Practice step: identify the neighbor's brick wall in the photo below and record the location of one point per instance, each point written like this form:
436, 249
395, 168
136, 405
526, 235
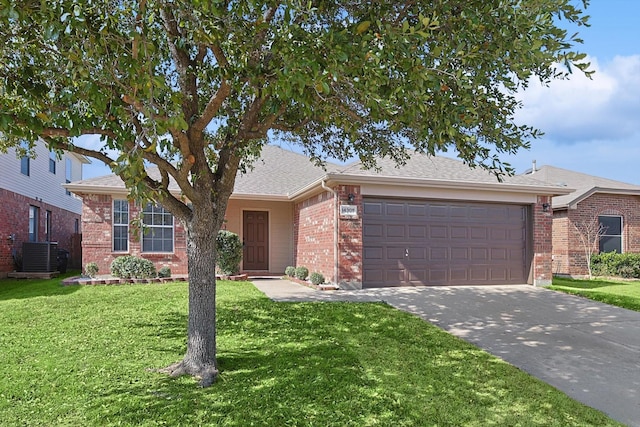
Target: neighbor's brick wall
560, 242
97, 240
313, 232
542, 267
570, 254
14, 219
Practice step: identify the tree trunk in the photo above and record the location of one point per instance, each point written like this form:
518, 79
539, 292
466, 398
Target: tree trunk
200, 358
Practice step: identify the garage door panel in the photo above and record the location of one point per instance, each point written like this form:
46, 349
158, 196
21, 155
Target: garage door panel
458, 232
438, 254
479, 233
372, 230
417, 231
395, 209
395, 253
438, 231
423, 242
373, 253
396, 231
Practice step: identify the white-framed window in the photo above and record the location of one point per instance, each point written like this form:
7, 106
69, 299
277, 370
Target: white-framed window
34, 218
120, 225
52, 162
157, 231
611, 239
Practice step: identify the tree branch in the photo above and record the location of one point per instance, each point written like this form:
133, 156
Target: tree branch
212, 107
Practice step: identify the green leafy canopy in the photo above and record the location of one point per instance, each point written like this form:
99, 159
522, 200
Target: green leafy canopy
194, 87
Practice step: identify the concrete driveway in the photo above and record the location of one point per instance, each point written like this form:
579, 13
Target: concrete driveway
590, 351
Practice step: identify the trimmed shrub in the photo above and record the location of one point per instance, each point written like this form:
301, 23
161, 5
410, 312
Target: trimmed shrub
316, 278
130, 267
164, 272
229, 248
290, 271
91, 269
302, 273
625, 265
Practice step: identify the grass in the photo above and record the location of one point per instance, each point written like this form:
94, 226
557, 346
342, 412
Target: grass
624, 294
72, 356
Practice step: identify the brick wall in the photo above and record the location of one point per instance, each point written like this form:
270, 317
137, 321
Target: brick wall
314, 233
97, 242
542, 267
350, 239
568, 251
14, 219
314, 236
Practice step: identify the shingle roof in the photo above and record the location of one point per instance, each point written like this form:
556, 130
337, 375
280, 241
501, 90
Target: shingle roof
584, 185
279, 172
439, 168
284, 173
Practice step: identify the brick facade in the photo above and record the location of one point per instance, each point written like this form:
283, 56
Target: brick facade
97, 241
541, 267
314, 243
14, 220
568, 252
313, 234
350, 239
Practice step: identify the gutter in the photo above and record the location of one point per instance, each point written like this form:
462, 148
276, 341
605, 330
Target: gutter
335, 230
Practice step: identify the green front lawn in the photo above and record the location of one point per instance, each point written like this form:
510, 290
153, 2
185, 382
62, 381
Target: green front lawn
79, 356
624, 294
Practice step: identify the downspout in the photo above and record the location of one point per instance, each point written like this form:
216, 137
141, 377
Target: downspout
335, 231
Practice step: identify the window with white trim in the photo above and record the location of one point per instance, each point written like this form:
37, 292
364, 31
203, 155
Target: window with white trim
157, 231
120, 225
611, 239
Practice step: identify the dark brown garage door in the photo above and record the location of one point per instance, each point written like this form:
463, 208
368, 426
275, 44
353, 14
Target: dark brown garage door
428, 242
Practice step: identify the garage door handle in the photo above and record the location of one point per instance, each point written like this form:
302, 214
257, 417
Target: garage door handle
406, 253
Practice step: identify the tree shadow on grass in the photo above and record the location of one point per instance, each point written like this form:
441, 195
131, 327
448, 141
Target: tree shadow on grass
31, 288
328, 364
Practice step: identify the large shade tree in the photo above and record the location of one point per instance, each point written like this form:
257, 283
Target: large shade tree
196, 87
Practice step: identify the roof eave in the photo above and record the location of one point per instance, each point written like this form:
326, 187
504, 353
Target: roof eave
441, 183
598, 190
262, 197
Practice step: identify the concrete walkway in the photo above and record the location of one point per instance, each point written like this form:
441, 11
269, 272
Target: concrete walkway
589, 350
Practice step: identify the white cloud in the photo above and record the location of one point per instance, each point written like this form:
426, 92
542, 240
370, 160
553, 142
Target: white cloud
604, 108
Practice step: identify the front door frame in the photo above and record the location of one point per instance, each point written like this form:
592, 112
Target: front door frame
267, 245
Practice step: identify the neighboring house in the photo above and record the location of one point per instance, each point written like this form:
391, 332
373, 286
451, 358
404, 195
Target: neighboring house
614, 204
433, 221
34, 206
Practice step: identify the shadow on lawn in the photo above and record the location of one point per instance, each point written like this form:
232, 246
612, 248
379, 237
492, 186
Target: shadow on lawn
31, 288
318, 364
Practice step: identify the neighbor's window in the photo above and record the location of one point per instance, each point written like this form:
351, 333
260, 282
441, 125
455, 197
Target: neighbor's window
25, 168
67, 173
120, 226
157, 233
34, 217
611, 239
52, 162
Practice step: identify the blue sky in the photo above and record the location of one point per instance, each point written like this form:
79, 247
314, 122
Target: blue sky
591, 126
